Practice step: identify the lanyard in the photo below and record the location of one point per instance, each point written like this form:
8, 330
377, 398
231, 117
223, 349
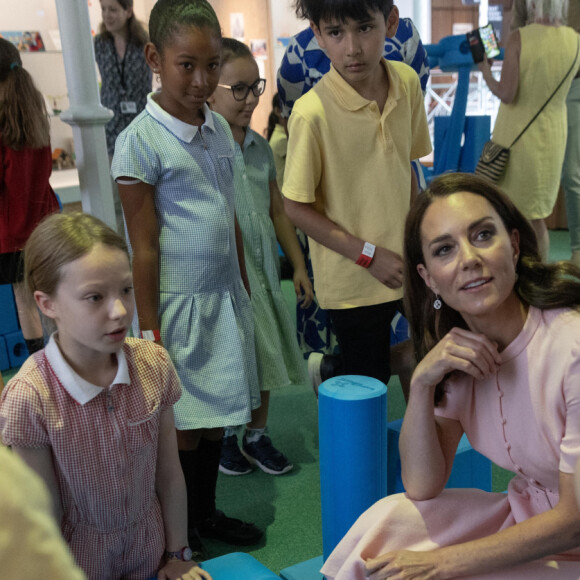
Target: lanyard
121, 65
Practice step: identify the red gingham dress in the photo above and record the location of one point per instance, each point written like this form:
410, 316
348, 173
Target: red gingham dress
104, 443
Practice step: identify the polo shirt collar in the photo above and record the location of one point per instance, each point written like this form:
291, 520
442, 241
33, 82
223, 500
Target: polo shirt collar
183, 131
80, 390
249, 139
352, 100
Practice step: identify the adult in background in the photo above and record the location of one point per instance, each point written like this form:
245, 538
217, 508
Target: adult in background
125, 76
497, 335
571, 171
537, 57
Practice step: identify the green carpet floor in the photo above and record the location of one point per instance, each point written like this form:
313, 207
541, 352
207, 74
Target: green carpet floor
288, 507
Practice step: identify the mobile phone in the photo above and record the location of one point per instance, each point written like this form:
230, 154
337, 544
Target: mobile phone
483, 41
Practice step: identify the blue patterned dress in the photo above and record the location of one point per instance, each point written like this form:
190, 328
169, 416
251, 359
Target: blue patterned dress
205, 312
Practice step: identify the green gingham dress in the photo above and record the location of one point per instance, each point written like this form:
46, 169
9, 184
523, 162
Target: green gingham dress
279, 358
205, 312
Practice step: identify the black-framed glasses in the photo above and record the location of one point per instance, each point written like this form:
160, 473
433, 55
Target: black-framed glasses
242, 91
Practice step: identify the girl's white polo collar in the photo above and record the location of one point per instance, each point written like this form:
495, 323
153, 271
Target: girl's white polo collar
183, 131
80, 390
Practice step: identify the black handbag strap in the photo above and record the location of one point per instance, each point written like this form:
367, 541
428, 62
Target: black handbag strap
550, 98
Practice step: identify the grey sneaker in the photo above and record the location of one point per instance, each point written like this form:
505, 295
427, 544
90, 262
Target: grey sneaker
263, 454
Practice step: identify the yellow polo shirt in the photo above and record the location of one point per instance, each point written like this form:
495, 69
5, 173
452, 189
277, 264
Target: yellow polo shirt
353, 164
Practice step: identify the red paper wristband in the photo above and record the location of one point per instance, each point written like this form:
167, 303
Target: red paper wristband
366, 256
153, 335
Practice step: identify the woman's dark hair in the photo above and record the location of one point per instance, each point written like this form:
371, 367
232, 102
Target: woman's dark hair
137, 32
340, 10
538, 284
23, 117
169, 16
273, 117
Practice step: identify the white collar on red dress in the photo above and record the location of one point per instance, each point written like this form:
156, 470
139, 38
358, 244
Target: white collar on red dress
80, 390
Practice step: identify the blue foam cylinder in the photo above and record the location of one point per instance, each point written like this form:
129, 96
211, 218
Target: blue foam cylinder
352, 426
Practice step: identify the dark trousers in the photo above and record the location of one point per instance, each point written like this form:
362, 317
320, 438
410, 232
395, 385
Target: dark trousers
364, 338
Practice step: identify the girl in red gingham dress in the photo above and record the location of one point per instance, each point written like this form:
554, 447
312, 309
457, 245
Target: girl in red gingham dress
92, 412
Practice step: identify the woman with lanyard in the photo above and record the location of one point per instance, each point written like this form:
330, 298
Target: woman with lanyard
125, 76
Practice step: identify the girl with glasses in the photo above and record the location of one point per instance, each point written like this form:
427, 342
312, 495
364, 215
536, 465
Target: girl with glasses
260, 211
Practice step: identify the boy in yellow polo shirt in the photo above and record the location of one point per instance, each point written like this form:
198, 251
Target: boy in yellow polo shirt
348, 180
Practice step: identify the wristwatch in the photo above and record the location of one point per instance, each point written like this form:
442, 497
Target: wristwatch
185, 554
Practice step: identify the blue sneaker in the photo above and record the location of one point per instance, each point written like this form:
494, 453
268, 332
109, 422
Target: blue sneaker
232, 462
263, 454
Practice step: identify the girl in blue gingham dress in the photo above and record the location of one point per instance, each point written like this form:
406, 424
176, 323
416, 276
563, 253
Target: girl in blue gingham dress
174, 167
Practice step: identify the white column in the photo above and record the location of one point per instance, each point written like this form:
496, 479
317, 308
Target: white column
86, 115
422, 19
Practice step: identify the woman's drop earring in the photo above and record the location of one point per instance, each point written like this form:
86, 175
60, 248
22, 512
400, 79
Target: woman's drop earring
437, 304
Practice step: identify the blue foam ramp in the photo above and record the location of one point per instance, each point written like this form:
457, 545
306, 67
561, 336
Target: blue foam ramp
352, 427
238, 566
308, 570
470, 468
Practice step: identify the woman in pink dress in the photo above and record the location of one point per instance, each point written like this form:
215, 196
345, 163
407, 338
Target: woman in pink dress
497, 334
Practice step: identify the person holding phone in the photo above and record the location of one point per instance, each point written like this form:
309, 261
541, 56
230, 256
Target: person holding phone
538, 57
482, 43
571, 170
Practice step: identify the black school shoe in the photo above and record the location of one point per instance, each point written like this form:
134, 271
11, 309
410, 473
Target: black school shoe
229, 530
199, 551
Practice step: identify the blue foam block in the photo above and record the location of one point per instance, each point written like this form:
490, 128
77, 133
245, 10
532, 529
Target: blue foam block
399, 329
470, 468
16, 347
309, 570
4, 360
238, 566
9, 318
352, 427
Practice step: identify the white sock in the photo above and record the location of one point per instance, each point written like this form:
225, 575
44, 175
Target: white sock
228, 431
252, 435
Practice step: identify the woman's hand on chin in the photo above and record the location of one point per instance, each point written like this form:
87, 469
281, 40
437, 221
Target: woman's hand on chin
459, 350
